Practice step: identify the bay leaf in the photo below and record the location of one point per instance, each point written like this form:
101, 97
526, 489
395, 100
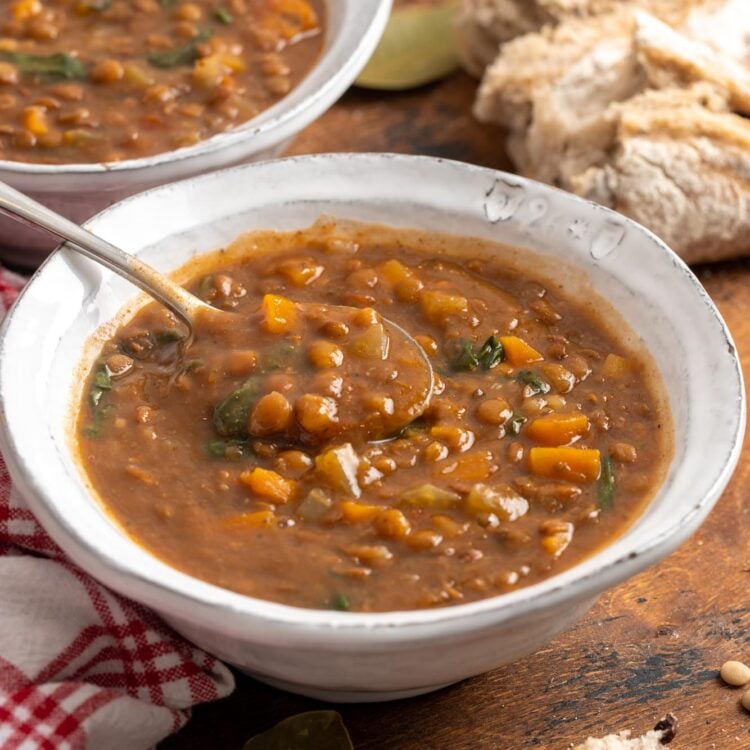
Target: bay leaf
417, 47
313, 730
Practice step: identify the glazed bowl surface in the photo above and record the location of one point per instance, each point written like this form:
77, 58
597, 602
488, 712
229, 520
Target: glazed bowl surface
356, 656
78, 191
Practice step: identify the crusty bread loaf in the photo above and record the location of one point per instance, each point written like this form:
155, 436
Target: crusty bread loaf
486, 24
626, 110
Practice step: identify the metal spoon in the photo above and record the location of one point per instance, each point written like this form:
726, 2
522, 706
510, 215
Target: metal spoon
184, 305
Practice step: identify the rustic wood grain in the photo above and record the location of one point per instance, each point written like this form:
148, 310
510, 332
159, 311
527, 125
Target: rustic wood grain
648, 647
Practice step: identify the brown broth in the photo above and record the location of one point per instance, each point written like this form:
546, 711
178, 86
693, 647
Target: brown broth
463, 505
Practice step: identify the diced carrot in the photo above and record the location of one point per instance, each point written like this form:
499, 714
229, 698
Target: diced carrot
570, 464
299, 10
436, 306
557, 429
22, 10
616, 367
394, 271
35, 120
518, 352
269, 484
359, 512
472, 467
259, 519
300, 271
280, 312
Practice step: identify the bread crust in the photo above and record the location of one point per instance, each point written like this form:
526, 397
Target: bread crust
629, 111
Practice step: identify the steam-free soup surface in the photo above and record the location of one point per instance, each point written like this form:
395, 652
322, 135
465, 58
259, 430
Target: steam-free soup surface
544, 438
107, 80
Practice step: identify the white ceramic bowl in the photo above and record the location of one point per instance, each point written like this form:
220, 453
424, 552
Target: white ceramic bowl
78, 191
353, 656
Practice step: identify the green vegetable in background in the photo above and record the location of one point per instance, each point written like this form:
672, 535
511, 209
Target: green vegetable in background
229, 449
340, 602
538, 386
417, 47
94, 428
515, 423
60, 65
223, 15
230, 416
314, 730
491, 353
185, 55
100, 383
465, 358
606, 485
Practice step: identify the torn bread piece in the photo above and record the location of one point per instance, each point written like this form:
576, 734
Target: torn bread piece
669, 58
603, 107
661, 735
680, 165
483, 25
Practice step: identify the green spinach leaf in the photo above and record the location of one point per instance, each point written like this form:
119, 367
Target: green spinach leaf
94, 428
100, 383
340, 602
57, 66
230, 416
491, 353
465, 358
531, 379
606, 484
185, 55
515, 423
224, 16
229, 449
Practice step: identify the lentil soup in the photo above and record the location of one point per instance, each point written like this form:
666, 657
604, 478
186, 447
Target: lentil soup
546, 435
86, 81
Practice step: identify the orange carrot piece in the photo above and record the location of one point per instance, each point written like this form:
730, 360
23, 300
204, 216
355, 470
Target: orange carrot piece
280, 313
269, 484
557, 429
518, 352
570, 464
359, 512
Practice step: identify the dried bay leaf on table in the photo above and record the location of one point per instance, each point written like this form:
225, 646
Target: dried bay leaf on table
313, 730
417, 47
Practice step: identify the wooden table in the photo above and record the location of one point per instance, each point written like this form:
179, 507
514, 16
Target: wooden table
650, 646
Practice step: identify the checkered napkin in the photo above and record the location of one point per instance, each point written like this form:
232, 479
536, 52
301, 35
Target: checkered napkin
81, 667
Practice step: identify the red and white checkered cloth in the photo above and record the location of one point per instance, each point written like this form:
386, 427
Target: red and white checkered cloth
82, 668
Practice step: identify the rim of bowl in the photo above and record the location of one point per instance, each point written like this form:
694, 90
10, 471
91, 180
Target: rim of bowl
402, 625
364, 19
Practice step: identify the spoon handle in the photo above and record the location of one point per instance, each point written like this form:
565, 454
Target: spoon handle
172, 295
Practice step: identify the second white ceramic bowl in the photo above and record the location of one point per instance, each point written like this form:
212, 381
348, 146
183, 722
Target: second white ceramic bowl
78, 191
352, 656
